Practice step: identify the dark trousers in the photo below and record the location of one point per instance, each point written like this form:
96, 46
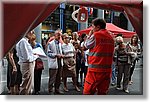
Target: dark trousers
55, 77
8, 79
37, 80
83, 70
77, 73
123, 68
132, 69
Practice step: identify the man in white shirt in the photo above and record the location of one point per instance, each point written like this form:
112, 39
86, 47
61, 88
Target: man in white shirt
26, 62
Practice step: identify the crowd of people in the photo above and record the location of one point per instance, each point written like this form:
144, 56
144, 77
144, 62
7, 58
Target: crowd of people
96, 59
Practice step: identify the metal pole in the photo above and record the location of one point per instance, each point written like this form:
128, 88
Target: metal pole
79, 25
61, 19
62, 7
111, 17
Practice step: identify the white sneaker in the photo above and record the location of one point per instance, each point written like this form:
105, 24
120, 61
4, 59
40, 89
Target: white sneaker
113, 84
130, 82
127, 91
118, 88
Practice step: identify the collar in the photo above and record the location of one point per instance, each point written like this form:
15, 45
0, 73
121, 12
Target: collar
65, 44
56, 41
26, 38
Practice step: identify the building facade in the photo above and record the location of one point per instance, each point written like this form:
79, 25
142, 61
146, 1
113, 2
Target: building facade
61, 18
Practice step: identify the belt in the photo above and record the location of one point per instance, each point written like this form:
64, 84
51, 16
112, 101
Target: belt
69, 57
27, 62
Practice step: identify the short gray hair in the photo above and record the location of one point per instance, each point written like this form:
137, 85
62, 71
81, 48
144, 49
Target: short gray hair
58, 31
75, 33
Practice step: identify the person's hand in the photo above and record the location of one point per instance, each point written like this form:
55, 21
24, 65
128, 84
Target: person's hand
62, 56
76, 51
82, 60
91, 32
36, 54
58, 56
14, 70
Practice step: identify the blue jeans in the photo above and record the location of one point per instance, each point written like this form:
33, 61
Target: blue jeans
113, 78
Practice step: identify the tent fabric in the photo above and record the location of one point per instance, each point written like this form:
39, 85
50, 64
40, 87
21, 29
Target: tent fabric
113, 29
19, 18
135, 15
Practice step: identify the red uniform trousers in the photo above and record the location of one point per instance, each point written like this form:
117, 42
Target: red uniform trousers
96, 81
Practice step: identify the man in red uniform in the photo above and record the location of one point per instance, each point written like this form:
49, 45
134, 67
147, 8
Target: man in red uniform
101, 46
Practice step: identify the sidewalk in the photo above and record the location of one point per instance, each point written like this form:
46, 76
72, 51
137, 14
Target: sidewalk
135, 89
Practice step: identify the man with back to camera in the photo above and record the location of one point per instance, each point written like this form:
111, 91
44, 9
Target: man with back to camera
101, 48
26, 62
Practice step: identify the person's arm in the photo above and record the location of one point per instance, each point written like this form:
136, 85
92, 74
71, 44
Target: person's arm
139, 49
116, 55
90, 42
129, 50
91, 32
82, 52
24, 50
69, 51
11, 59
50, 53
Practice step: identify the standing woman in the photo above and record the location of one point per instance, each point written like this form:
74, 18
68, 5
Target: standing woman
75, 38
78, 57
38, 66
135, 47
123, 54
69, 63
14, 73
84, 60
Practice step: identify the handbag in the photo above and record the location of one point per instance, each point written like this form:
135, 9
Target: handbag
39, 64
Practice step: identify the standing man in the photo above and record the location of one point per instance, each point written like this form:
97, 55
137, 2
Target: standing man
101, 48
55, 63
27, 63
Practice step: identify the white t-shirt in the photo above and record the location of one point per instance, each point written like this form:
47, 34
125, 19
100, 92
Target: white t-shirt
86, 53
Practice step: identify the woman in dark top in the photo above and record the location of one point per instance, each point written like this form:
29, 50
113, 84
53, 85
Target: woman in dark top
136, 48
78, 61
14, 76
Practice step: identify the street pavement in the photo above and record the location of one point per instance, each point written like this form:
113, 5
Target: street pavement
135, 89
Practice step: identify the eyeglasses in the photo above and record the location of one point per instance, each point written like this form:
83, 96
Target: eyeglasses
120, 43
